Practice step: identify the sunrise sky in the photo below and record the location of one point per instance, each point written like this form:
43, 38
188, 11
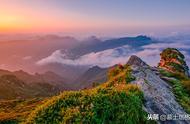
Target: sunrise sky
95, 16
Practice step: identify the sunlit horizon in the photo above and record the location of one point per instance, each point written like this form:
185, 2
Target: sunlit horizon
94, 18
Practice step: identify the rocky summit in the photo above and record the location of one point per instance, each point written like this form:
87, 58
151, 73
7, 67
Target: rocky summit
174, 61
134, 60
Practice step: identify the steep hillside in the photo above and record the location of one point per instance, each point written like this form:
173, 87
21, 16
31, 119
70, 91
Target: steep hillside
11, 87
173, 69
160, 98
14, 111
92, 77
173, 60
20, 84
115, 101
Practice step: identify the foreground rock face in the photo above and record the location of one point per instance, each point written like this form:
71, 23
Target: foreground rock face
173, 61
159, 98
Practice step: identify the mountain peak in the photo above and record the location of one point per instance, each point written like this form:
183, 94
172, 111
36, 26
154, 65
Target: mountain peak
95, 67
143, 37
135, 60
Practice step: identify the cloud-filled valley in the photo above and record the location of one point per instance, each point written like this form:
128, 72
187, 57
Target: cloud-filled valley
64, 54
109, 57
103, 58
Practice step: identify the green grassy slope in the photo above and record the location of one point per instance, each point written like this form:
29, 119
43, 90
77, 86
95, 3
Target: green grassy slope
115, 101
15, 111
181, 87
174, 70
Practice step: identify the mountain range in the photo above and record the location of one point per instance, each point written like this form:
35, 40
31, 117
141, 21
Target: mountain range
138, 88
64, 80
20, 84
131, 93
94, 44
25, 52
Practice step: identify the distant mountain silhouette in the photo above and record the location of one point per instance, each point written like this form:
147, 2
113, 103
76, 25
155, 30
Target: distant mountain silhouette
98, 45
29, 78
20, 84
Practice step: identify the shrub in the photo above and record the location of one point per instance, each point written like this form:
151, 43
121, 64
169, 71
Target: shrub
129, 77
186, 84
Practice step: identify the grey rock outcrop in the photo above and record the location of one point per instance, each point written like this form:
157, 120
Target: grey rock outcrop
159, 98
136, 61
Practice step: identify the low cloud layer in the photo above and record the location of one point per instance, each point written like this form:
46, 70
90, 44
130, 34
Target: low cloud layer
104, 58
149, 53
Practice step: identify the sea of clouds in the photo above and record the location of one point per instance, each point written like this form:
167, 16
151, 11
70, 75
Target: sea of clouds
106, 58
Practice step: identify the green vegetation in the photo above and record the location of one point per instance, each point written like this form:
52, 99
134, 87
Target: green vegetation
12, 87
173, 60
15, 111
95, 84
172, 53
180, 86
115, 102
120, 68
175, 69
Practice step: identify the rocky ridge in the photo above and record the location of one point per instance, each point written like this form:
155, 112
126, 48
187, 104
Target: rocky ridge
159, 98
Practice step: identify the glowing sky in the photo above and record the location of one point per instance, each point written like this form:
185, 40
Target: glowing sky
94, 16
